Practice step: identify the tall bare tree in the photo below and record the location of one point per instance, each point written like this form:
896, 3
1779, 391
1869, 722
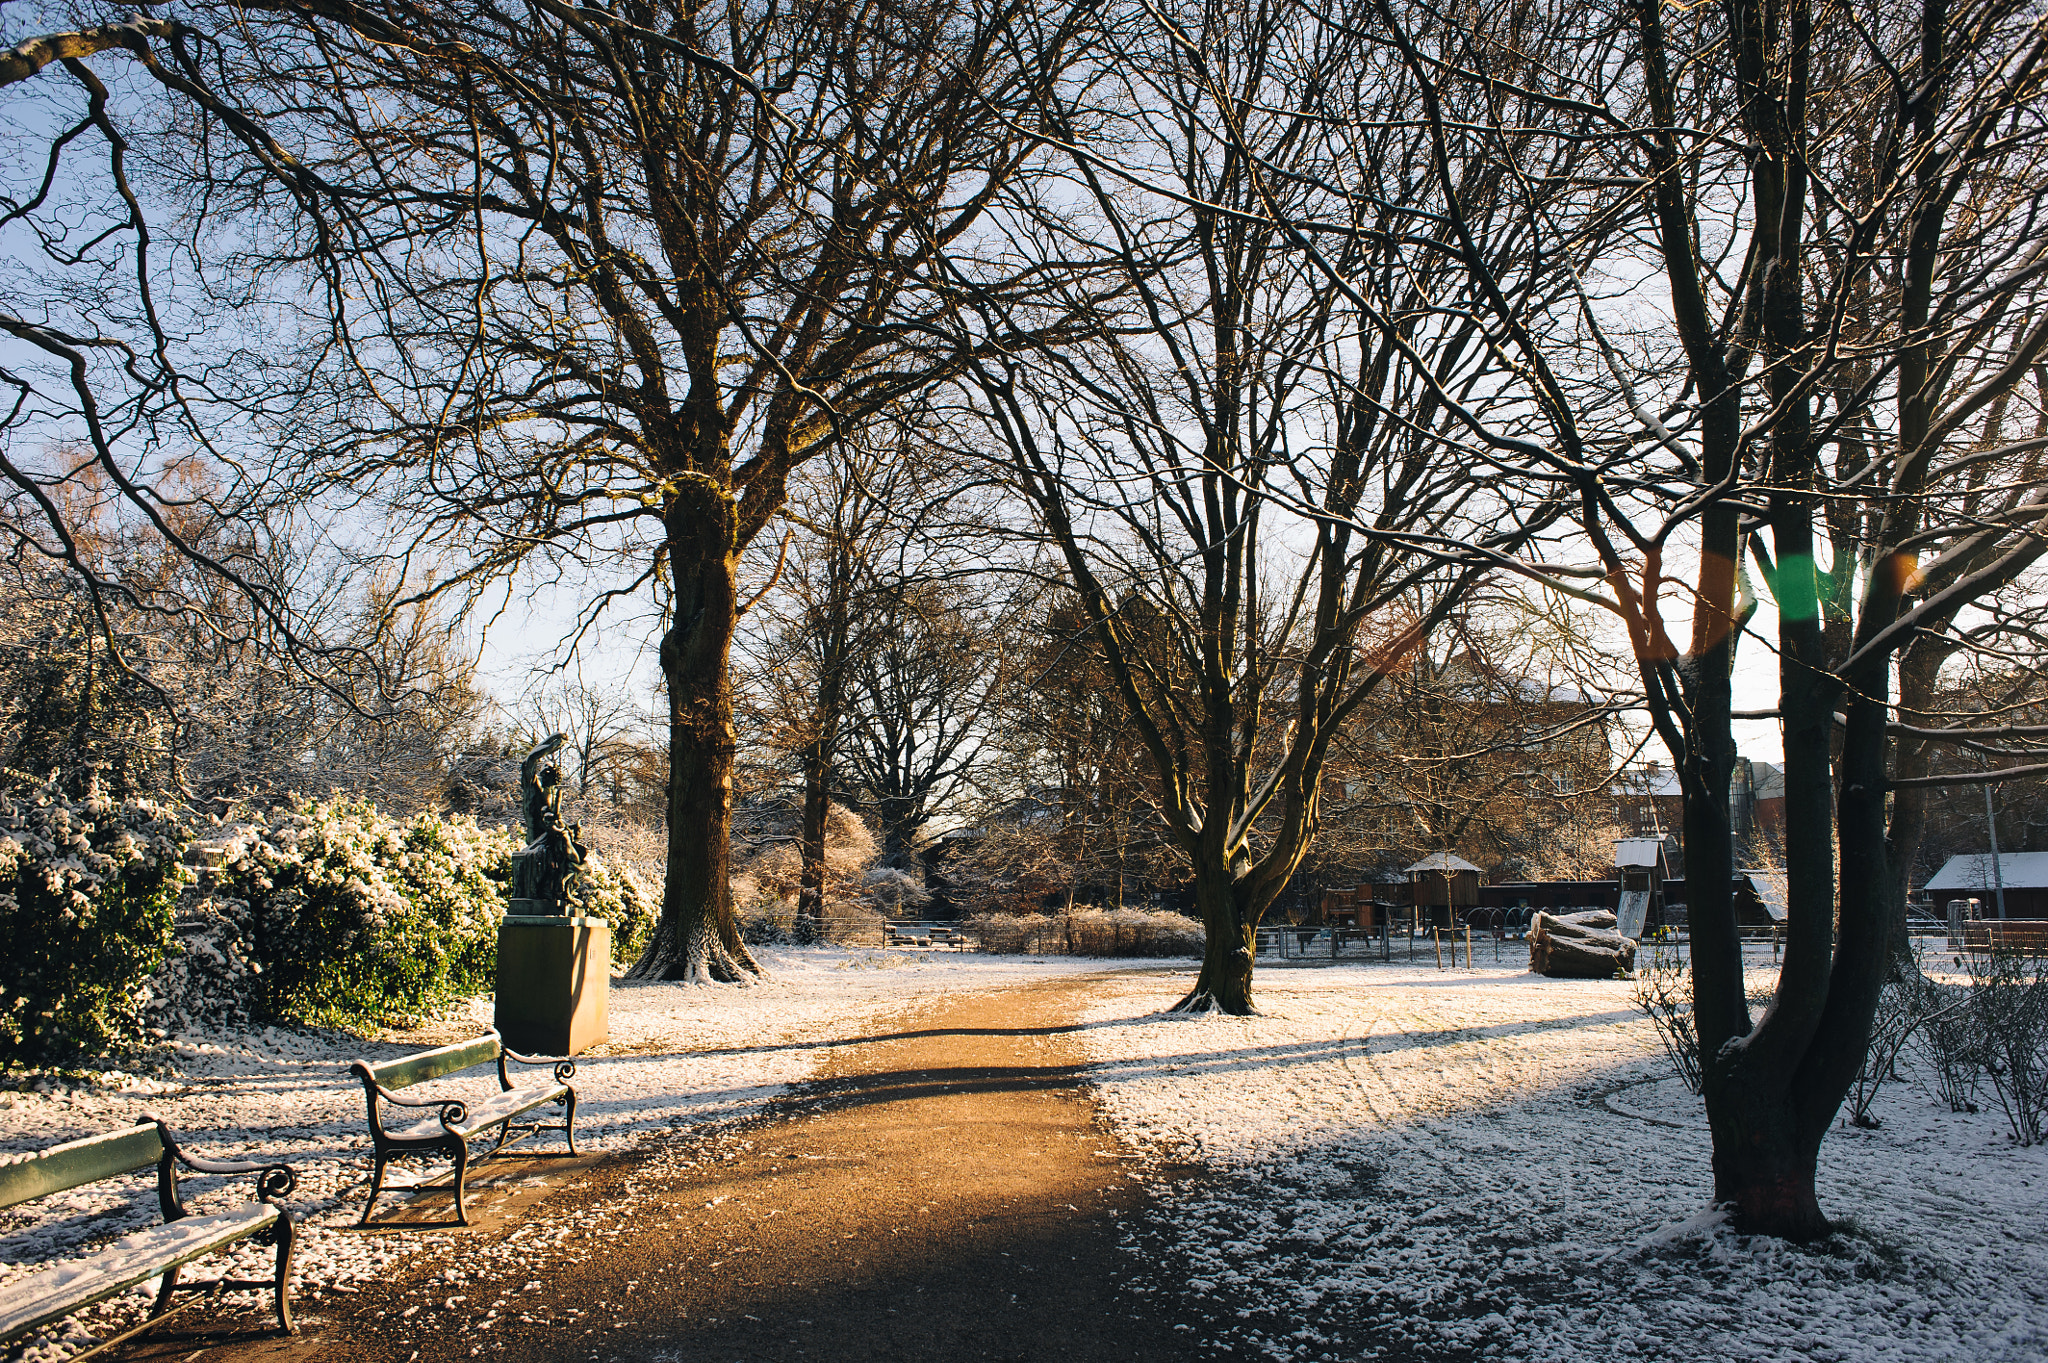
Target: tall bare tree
924, 698
252, 656
1836, 206
585, 284
1244, 461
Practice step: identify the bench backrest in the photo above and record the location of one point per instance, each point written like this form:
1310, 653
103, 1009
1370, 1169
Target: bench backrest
76, 1163
418, 1069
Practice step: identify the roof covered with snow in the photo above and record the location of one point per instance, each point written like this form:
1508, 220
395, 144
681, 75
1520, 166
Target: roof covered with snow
1770, 888
1441, 861
1973, 871
1639, 852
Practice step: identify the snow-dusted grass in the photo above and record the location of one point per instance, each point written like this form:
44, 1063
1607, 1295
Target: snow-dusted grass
1403, 1163
678, 1056
1414, 1164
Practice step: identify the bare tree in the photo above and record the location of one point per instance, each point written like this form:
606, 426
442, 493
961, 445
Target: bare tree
1243, 463
248, 656
941, 660
587, 283
599, 721
1837, 208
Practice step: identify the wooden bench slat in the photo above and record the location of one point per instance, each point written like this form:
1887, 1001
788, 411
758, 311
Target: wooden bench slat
52, 1293
487, 1113
74, 1164
418, 1069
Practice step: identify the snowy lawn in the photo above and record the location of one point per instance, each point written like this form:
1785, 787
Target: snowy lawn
678, 1056
1414, 1164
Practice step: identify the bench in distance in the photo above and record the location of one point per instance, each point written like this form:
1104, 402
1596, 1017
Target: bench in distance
49, 1294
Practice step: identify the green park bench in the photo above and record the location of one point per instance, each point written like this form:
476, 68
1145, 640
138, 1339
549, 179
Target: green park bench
51, 1293
457, 1120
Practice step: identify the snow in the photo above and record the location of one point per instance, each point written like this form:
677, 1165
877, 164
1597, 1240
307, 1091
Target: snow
1391, 1161
126, 1261
1482, 1163
678, 1056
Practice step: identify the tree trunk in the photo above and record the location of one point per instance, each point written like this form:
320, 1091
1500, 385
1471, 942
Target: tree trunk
1229, 933
697, 938
1764, 1165
810, 895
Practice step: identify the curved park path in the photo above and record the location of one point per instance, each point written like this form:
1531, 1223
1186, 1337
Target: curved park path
943, 1190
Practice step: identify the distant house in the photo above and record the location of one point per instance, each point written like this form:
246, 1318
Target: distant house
1759, 896
1972, 876
1650, 803
1443, 882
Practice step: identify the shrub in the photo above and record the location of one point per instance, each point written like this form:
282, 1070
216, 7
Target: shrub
1089, 932
346, 917
617, 893
1948, 1042
88, 889
1663, 993
2009, 1001
1900, 1013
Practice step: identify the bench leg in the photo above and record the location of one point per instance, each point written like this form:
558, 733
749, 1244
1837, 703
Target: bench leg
164, 1291
461, 1172
569, 1119
376, 1186
287, 1241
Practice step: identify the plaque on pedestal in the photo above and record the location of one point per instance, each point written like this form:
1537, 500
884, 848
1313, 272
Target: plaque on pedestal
554, 980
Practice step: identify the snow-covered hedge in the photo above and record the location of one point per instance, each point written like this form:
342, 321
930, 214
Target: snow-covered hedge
345, 916
618, 894
1089, 932
88, 889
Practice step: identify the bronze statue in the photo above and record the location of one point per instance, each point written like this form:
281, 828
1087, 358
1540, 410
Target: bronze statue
553, 857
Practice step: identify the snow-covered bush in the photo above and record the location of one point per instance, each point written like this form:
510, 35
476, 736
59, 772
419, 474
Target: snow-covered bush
896, 893
616, 893
2009, 1001
88, 889
1948, 1043
345, 916
1088, 932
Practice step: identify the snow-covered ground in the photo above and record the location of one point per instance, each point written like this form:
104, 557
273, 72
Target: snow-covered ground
678, 1056
1413, 1164
1401, 1163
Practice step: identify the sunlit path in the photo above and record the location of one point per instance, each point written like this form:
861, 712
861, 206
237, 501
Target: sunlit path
941, 1189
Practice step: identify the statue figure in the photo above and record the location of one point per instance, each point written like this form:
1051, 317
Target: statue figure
553, 856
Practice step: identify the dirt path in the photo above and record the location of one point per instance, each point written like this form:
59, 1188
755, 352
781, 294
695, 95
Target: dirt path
943, 1191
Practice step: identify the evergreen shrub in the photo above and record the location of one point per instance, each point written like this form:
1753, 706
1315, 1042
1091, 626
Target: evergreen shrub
346, 917
617, 893
88, 894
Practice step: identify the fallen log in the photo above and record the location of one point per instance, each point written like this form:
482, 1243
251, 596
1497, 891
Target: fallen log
1572, 948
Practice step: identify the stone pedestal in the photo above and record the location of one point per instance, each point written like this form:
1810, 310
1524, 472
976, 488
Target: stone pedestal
554, 980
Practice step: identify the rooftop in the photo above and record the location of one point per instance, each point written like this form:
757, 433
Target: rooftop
1972, 871
1441, 861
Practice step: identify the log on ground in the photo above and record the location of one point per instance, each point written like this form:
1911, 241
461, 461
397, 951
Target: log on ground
1571, 948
